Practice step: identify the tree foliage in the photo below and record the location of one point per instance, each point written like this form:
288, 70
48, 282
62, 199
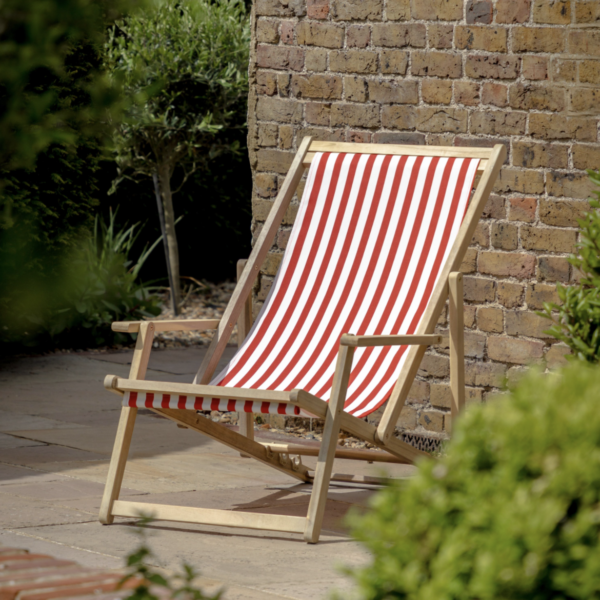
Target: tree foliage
577, 318
512, 510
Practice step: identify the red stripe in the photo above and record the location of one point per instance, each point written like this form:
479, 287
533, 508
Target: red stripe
149, 400
133, 396
231, 405
198, 403
248, 406
264, 407
165, 401
214, 404
181, 402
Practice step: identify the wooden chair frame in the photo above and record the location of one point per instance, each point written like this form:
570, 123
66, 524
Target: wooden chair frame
239, 309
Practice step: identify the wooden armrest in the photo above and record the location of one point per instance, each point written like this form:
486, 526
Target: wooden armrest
167, 325
360, 341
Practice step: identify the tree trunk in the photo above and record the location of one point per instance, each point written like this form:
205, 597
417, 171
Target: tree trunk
164, 182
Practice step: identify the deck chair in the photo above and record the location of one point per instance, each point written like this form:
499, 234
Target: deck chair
373, 257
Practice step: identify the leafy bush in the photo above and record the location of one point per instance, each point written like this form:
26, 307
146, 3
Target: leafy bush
577, 318
512, 510
96, 285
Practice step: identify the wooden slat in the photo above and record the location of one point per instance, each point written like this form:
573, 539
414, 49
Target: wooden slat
209, 516
233, 440
361, 341
206, 391
167, 325
345, 453
457, 343
415, 354
257, 257
244, 324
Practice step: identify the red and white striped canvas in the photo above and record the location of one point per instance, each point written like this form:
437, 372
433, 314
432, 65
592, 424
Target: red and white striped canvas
365, 252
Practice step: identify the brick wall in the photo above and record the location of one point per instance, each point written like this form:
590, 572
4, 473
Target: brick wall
524, 73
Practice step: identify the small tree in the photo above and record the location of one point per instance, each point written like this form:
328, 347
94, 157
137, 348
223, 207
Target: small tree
577, 318
186, 63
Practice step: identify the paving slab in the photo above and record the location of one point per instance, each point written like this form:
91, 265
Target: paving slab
12, 441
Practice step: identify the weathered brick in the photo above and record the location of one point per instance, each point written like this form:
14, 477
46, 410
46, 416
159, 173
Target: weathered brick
490, 319
553, 268
436, 64
584, 41
586, 156
355, 115
317, 9
408, 417
527, 324
440, 139
551, 240
505, 236
393, 91
274, 161
490, 39
432, 420
266, 283
559, 127
514, 350
266, 83
265, 184
393, 61
397, 35
397, 10
434, 366
556, 356
522, 209
587, 11
321, 87
469, 263
496, 122
521, 181
280, 8
440, 36
436, 91
356, 89
466, 92
441, 395
482, 143
277, 57
536, 97
267, 31
573, 185
495, 94
510, 294
512, 11
283, 84
400, 137
271, 263
318, 133
482, 235
492, 66
399, 117
469, 315
276, 109
538, 293
358, 137
357, 10
505, 264
584, 100
286, 137
358, 36
353, 61
433, 10
317, 113
438, 120
553, 12
267, 135
287, 32
315, 60
562, 213
495, 208
326, 35
480, 11
535, 67
419, 391
534, 155
589, 71
478, 289
484, 374
538, 39
563, 71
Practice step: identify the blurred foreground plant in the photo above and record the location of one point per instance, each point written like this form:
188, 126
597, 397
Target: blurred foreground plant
577, 318
154, 585
511, 511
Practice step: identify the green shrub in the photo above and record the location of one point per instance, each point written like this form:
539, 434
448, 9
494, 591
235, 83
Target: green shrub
512, 511
97, 284
577, 318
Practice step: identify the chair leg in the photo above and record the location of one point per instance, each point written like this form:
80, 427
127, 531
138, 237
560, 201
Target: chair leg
457, 344
335, 407
118, 460
117, 464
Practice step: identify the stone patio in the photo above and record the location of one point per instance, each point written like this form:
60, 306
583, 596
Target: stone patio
57, 426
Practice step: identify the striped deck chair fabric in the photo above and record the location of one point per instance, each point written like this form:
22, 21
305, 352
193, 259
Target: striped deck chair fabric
364, 255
